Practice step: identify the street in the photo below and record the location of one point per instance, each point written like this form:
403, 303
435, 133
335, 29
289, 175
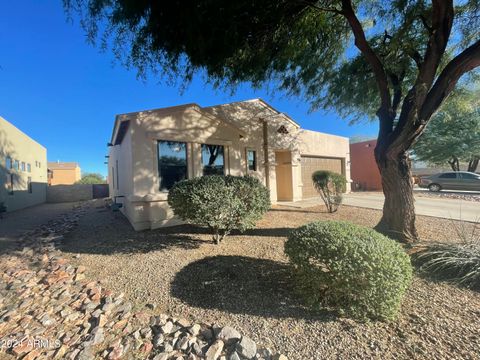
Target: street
442, 207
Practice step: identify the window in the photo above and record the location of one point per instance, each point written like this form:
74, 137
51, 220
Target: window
469, 176
448, 176
8, 163
39, 164
16, 165
172, 163
29, 167
113, 177
251, 160
10, 183
29, 183
23, 166
213, 161
116, 168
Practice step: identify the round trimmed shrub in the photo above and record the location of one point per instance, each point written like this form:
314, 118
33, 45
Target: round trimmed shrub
351, 268
222, 203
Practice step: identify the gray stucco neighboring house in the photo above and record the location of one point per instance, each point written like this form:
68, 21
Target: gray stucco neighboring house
23, 169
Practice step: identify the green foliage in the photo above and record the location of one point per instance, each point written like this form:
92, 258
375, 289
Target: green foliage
454, 133
222, 203
91, 178
351, 268
455, 262
307, 51
330, 186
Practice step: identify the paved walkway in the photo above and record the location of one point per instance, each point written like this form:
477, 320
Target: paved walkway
444, 208
14, 224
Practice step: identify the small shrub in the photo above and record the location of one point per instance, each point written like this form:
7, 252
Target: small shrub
330, 186
222, 203
352, 268
458, 263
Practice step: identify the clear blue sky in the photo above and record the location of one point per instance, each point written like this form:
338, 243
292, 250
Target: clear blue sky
64, 93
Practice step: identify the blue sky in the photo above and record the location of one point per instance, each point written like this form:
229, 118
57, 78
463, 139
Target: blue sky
64, 93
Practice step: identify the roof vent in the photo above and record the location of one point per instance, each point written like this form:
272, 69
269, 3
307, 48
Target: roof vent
282, 130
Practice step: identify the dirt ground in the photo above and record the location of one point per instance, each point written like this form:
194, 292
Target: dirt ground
245, 282
14, 224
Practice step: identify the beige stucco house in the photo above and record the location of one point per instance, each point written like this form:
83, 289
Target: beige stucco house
23, 169
63, 173
151, 150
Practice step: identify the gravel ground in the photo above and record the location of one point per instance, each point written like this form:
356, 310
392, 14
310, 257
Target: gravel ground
245, 283
473, 196
14, 224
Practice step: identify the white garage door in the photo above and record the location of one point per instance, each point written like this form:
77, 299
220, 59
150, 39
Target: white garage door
310, 164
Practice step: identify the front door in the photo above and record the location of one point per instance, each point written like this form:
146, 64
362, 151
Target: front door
283, 173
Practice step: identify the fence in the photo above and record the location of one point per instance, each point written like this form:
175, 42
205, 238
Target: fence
76, 192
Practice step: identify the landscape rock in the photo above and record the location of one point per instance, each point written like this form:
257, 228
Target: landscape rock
234, 356
214, 351
45, 295
247, 347
229, 335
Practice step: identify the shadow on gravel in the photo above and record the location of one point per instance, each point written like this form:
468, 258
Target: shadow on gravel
115, 235
106, 233
300, 210
242, 285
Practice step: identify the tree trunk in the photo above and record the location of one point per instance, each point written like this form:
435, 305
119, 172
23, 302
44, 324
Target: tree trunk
398, 220
454, 163
473, 163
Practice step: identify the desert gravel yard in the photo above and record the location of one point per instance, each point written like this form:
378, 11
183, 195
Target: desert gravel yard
245, 283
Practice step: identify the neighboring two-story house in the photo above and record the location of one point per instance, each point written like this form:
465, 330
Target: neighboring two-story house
23, 169
63, 173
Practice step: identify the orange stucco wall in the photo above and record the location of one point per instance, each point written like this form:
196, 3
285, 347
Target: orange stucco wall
64, 176
363, 168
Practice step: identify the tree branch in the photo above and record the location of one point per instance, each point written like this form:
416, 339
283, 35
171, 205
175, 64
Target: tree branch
320, 8
397, 89
442, 20
425, 23
467, 60
385, 112
415, 55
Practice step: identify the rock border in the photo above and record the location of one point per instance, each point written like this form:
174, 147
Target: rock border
51, 310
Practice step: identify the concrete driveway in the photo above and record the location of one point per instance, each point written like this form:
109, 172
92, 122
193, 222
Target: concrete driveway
445, 208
